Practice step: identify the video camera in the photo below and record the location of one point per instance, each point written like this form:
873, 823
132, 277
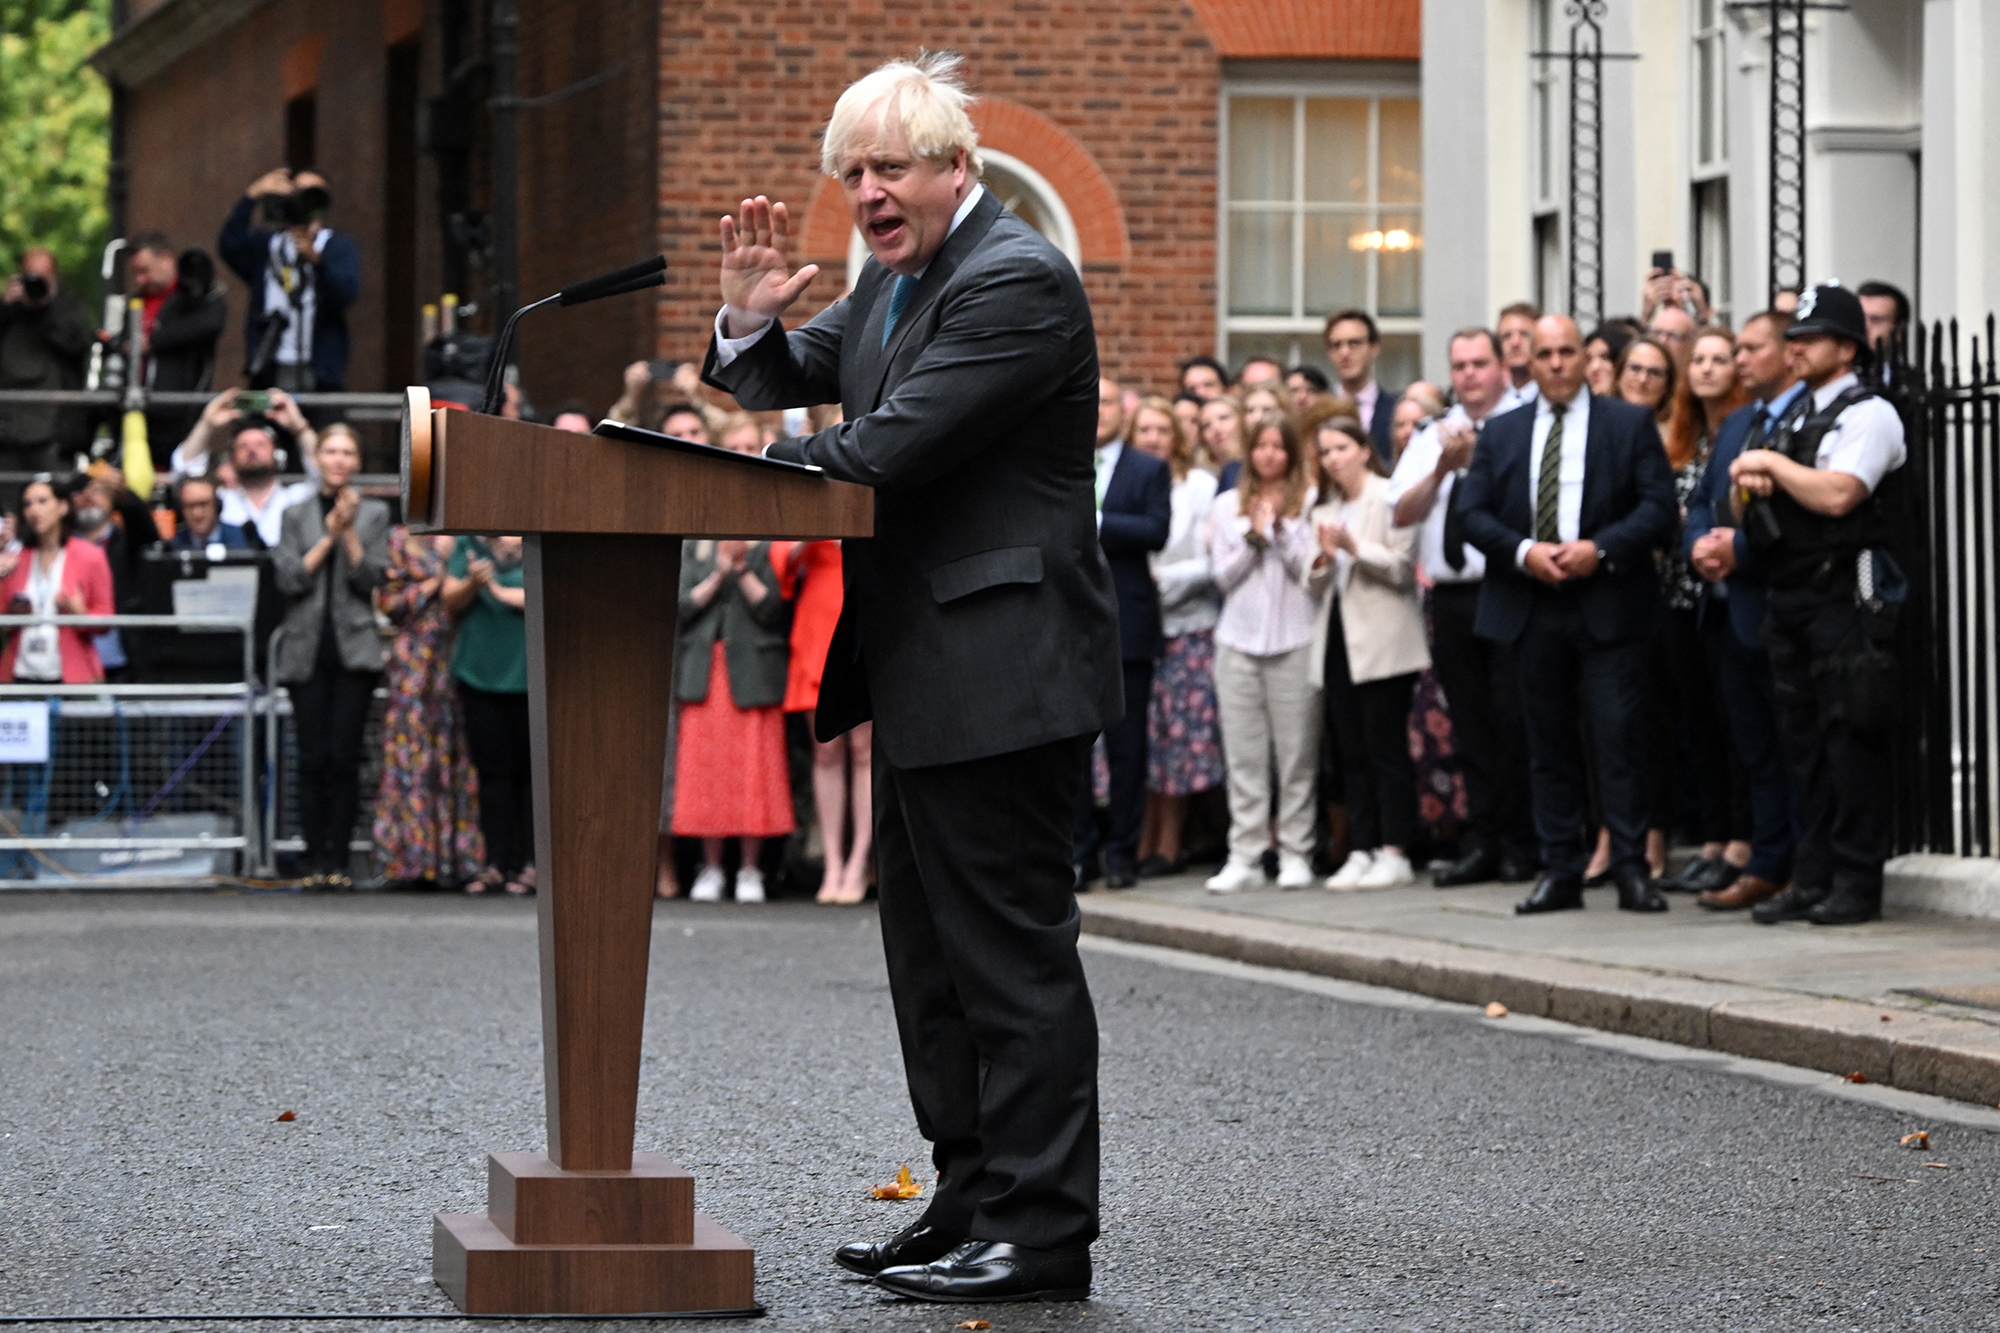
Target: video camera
298, 207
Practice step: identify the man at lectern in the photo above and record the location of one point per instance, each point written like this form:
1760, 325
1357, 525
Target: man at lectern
980, 634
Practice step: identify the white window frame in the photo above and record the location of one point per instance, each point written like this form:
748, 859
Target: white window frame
1716, 38
1300, 324
1046, 197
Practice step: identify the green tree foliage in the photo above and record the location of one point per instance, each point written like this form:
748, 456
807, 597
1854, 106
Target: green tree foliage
55, 133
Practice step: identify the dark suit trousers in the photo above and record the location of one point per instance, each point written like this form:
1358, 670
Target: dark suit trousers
1482, 692
1370, 724
1682, 698
1125, 754
979, 926
1559, 662
1841, 773
1743, 678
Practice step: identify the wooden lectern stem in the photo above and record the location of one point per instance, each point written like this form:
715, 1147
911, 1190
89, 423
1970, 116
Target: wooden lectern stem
600, 687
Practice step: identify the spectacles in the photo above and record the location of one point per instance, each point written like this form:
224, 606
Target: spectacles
1345, 344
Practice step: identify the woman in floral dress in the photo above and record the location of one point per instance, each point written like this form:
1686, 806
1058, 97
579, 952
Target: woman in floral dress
427, 812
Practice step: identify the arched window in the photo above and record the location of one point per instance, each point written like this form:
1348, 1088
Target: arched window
1022, 191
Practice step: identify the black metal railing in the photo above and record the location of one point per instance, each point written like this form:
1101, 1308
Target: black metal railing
1946, 767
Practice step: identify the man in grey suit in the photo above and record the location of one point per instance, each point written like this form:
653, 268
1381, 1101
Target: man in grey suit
980, 634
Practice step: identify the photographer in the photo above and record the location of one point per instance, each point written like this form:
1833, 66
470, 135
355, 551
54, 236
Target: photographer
302, 276
45, 336
180, 317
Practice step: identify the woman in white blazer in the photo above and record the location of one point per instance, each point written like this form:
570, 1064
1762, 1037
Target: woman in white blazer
1367, 650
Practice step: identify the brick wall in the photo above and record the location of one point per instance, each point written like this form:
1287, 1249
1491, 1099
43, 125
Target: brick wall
1122, 93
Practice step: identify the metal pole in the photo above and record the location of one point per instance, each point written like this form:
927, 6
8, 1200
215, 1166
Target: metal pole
1586, 161
1788, 146
506, 185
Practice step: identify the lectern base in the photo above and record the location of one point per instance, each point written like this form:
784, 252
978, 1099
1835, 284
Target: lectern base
486, 1273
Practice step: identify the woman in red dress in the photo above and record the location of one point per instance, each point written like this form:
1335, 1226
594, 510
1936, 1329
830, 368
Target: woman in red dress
842, 767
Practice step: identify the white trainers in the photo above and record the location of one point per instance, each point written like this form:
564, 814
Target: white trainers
750, 885
1349, 875
707, 886
1236, 876
1294, 871
1386, 869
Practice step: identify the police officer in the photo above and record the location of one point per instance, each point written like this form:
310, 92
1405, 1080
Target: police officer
1813, 504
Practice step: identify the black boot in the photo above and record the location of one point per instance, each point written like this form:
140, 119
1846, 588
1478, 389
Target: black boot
1794, 904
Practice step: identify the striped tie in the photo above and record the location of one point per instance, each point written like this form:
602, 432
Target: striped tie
1549, 486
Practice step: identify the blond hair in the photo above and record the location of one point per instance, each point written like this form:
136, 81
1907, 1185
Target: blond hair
924, 98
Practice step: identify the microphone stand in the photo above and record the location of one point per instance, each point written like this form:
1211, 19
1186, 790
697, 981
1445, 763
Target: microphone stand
632, 278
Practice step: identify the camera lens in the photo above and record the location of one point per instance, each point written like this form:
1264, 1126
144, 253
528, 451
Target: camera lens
34, 286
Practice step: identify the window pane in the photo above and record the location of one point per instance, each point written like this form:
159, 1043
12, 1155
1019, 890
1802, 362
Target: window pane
1260, 263
1705, 100
1337, 246
1337, 150
1398, 362
1402, 178
1284, 348
1260, 148
1545, 158
1399, 281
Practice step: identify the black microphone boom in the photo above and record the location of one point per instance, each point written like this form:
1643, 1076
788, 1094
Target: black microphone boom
633, 277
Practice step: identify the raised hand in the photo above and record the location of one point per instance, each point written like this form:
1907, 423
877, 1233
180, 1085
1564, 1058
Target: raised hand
755, 282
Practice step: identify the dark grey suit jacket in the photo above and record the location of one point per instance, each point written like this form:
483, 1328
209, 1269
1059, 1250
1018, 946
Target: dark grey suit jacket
980, 617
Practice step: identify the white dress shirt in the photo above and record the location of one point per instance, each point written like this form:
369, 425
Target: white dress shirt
728, 348
269, 521
1865, 442
1106, 462
1569, 496
1266, 607
1419, 460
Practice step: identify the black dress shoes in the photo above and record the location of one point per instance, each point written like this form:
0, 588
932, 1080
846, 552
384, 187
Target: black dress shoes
1682, 880
1515, 870
983, 1272
1704, 875
1846, 909
1474, 868
1120, 877
1794, 904
1636, 892
1158, 867
917, 1243
1553, 893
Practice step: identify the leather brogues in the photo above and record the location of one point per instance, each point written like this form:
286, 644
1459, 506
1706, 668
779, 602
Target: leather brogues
986, 1272
1794, 904
1553, 893
1474, 868
1747, 891
1636, 892
918, 1243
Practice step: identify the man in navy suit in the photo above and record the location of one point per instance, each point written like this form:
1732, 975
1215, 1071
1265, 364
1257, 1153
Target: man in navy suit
1732, 617
1134, 511
1568, 497
1353, 345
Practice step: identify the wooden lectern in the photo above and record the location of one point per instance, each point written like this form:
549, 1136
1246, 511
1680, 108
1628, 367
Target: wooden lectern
592, 1227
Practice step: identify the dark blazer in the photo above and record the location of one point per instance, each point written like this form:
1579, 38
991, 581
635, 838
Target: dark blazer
246, 248
1138, 511
1708, 508
229, 536
756, 636
1382, 426
980, 618
1628, 509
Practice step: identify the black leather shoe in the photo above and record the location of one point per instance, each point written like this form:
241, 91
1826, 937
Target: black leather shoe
1120, 878
984, 1272
1682, 881
917, 1243
1846, 909
1474, 868
1716, 876
1515, 870
1637, 894
1158, 867
1794, 904
1599, 880
1553, 893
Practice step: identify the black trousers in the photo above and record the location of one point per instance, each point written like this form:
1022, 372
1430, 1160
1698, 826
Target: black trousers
1682, 698
1743, 678
496, 735
1371, 726
1841, 772
1561, 664
979, 927
1125, 754
329, 713
1482, 693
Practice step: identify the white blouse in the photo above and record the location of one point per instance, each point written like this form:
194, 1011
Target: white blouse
1266, 607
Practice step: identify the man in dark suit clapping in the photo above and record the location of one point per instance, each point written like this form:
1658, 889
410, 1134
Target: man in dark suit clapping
1134, 512
979, 633
1568, 497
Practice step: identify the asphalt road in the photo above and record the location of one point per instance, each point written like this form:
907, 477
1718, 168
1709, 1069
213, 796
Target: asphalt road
1276, 1155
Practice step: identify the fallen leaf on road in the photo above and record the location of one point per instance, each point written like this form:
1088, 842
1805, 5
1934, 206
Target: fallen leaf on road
1887, 1019
973, 1323
1937, 1166
286, 1115
904, 1188
1857, 1077
1920, 1140
1495, 1009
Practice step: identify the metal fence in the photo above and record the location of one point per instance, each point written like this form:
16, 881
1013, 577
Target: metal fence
1946, 769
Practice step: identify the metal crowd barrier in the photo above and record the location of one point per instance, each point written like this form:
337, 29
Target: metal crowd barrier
122, 785
356, 406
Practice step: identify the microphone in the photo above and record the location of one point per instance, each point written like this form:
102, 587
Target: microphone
632, 278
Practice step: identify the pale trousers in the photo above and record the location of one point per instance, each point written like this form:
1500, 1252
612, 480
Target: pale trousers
1271, 719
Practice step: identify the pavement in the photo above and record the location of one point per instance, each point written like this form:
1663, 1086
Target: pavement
1280, 1150
1912, 1001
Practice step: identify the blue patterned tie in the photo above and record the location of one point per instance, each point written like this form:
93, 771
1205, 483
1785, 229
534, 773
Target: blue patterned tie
899, 296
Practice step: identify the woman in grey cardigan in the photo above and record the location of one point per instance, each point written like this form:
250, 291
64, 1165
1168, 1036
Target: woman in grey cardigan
331, 556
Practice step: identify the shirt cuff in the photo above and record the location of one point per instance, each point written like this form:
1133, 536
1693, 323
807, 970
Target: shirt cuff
726, 347
1521, 552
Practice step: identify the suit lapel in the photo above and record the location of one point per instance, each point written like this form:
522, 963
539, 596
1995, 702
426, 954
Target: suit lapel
956, 247
1596, 467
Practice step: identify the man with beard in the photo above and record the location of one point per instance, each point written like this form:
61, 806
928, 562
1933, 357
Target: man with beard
257, 503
